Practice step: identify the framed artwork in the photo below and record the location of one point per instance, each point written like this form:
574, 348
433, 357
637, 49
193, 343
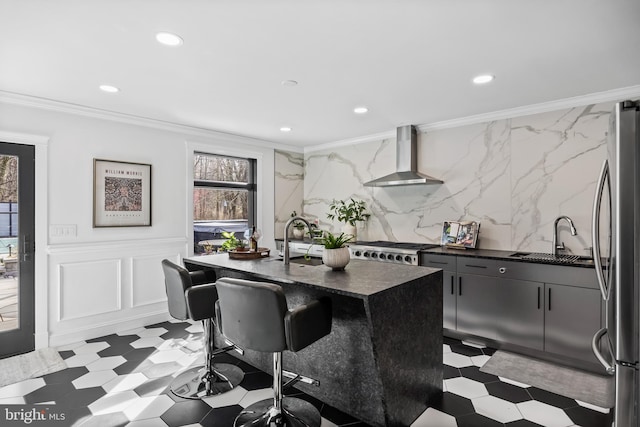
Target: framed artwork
460, 234
121, 194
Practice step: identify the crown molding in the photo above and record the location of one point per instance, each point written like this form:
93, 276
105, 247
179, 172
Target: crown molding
96, 113
544, 107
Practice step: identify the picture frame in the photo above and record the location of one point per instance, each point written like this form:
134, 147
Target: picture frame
121, 194
460, 234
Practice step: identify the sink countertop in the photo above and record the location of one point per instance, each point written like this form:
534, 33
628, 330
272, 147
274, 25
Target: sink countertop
501, 255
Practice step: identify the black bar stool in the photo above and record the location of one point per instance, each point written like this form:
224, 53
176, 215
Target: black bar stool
255, 316
192, 295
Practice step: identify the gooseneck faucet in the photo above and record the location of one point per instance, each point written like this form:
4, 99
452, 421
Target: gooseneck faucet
556, 247
286, 235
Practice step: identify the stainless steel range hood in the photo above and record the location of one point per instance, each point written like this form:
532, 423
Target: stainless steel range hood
406, 163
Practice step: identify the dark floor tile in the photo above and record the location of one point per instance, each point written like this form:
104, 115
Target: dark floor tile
49, 393
66, 354
489, 351
476, 420
522, 423
139, 353
65, 375
449, 372
221, 417
474, 373
80, 398
451, 341
453, 404
116, 350
585, 417
466, 350
551, 398
508, 392
186, 412
256, 380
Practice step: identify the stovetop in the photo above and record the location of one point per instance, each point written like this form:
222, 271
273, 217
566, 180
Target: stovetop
397, 245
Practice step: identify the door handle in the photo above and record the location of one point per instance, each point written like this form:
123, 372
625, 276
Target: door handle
594, 346
459, 285
595, 229
452, 290
538, 297
549, 299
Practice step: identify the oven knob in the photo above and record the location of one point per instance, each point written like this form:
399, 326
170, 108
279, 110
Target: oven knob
374, 255
398, 257
366, 254
357, 253
407, 258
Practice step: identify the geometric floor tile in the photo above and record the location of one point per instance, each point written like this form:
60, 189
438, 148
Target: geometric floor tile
123, 379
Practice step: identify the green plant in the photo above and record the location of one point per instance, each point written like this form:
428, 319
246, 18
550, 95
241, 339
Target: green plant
331, 241
297, 224
348, 212
231, 243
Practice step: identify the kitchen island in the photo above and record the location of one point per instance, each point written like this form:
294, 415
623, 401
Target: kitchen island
382, 362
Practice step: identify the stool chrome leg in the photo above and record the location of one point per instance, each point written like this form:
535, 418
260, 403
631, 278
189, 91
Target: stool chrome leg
210, 379
279, 411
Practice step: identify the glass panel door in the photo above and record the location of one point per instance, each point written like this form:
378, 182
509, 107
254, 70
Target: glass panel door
16, 248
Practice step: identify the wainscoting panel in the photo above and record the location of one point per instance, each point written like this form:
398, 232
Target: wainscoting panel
97, 289
147, 275
89, 288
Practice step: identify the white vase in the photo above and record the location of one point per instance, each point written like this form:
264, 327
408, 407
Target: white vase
337, 259
350, 229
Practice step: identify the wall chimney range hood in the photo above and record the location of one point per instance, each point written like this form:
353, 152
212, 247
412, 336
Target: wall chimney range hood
406, 163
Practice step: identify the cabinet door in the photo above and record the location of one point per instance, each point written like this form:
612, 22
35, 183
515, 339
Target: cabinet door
572, 315
520, 317
477, 305
449, 290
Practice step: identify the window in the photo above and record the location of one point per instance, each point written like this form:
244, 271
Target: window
224, 197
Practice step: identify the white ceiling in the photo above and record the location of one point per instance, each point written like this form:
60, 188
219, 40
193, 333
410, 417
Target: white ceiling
408, 61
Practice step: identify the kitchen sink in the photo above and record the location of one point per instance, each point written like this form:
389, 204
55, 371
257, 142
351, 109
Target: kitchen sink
302, 261
555, 259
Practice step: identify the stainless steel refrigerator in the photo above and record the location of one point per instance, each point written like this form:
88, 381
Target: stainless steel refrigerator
616, 250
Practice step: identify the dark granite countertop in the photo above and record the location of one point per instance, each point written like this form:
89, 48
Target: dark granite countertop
504, 256
360, 279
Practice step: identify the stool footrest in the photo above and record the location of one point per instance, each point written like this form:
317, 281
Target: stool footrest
297, 377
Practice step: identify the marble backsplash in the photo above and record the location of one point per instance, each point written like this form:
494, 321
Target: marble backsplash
289, 185
514, 176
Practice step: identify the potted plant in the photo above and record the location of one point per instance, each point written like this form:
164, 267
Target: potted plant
349, 213
231, 243
335, 254
298, 227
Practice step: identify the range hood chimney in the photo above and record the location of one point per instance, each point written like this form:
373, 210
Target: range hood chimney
406, 163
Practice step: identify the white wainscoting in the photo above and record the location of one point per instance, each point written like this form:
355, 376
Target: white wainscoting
97, 289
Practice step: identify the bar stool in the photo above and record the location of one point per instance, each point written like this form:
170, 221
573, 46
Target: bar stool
255, 316
192, 295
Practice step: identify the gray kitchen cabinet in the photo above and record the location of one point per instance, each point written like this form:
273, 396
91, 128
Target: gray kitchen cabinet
477, 305
520, 316
449, 285
572, 315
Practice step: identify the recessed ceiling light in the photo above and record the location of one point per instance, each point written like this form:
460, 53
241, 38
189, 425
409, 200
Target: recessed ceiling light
360, 110
285, 129
482, 79
169, 39
289, 83
109, 88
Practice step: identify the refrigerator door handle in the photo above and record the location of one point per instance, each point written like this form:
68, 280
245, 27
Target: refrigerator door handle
594, 346
595, 231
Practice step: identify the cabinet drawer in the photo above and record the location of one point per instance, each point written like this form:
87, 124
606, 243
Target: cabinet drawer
481, 266
561, 274
445, 262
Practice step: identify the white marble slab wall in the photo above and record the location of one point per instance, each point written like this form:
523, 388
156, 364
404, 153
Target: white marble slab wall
289, 184
514, 176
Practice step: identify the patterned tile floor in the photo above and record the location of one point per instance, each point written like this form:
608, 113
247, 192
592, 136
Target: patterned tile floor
122, 380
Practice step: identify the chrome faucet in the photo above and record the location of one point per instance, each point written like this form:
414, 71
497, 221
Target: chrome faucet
286, 235
556, 247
